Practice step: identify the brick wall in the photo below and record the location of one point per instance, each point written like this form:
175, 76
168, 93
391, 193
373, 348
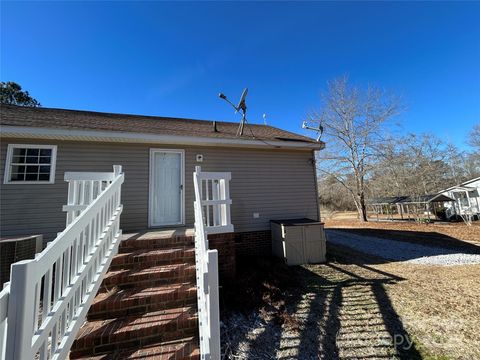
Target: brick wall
232, 245
253, 243
225, 245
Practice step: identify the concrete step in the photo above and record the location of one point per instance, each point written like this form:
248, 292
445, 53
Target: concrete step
134, 332
147, 258
124, 302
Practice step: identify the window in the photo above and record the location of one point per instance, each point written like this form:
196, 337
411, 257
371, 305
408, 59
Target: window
27, 164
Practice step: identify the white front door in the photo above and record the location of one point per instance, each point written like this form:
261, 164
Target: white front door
166, 187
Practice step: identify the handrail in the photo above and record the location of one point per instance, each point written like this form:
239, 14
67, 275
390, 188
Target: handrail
206, 261
50, 295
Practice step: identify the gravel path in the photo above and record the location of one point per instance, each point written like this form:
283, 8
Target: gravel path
402, 251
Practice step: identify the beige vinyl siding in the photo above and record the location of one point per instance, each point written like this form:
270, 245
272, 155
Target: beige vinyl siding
273, 182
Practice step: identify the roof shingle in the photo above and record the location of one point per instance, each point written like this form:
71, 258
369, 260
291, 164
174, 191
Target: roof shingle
11, 115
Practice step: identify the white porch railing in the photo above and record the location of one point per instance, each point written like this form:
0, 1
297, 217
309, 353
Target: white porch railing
50, 295
217, 209
214, 193
83, 188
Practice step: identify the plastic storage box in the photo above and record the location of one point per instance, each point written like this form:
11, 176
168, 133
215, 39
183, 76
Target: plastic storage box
298, 241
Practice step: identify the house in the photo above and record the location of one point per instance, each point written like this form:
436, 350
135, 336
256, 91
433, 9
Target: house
273, 171
467, 198
150, 292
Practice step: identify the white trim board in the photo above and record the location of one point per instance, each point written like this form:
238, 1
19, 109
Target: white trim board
127, 137
150, 187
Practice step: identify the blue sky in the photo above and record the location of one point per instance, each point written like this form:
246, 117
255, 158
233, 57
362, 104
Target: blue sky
172, 59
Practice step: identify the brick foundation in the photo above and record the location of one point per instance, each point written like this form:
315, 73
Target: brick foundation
231, 245
225, 245
253, 243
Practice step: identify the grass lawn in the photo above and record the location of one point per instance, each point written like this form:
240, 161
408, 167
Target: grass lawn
352, 307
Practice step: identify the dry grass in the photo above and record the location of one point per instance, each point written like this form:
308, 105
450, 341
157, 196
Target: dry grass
439, 306
353, 307
338, 310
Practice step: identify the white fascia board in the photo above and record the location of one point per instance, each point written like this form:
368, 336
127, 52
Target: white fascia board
462, 185
127, 137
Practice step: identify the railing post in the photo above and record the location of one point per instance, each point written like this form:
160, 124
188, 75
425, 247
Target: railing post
214, 309
21, 312
117, 170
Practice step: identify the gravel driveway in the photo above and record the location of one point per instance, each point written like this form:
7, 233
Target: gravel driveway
402, 251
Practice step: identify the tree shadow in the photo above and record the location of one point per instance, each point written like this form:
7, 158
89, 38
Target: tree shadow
430, 238
389, 247
342, 311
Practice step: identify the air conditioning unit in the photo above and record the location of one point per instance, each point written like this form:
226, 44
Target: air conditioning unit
16, 248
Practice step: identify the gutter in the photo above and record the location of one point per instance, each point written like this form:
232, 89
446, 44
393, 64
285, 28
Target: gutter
127, 137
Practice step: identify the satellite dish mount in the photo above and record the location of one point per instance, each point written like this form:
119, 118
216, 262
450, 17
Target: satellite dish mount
318, 129
242, 106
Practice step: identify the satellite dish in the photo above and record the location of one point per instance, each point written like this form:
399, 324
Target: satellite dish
241, 106
318, 129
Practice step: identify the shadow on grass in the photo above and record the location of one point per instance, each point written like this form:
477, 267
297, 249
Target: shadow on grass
383, 246
337, 310
431, 238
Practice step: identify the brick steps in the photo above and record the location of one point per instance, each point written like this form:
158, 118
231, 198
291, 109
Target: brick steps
155, 244
141, 300
186, 348
152, 276
146, 307
142, 259
103, 336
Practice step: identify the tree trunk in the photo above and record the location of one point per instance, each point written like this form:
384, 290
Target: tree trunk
363, 208
358, 205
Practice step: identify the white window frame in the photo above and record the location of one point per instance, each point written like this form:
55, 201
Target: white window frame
8, 163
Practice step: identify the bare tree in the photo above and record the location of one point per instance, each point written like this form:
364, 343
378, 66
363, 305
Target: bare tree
428, 155
353, 122
474, 137
392, 169
419, 164
333, 195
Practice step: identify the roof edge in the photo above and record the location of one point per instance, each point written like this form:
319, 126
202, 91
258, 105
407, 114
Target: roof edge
461, 184
144, 116
8, 131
